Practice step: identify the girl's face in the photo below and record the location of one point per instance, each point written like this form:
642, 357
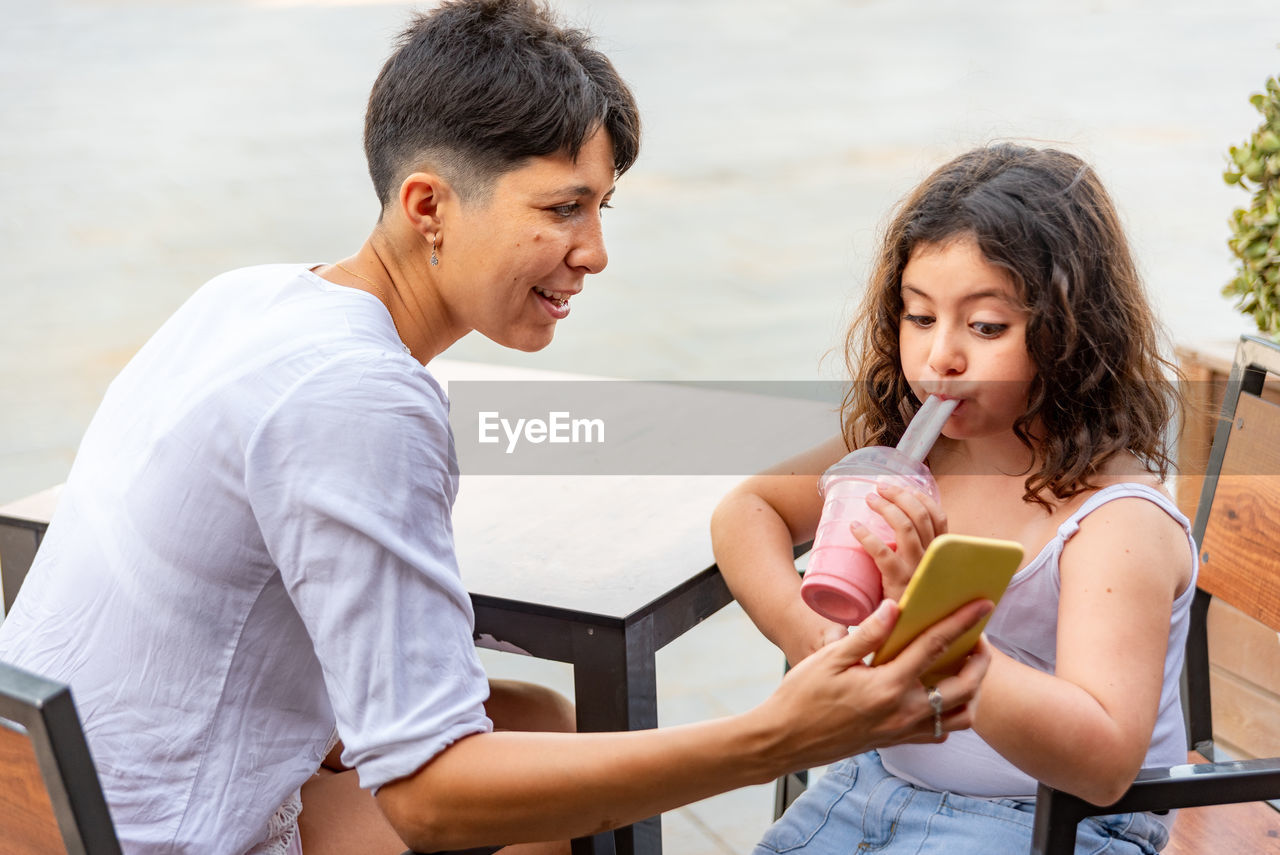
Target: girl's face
963, 335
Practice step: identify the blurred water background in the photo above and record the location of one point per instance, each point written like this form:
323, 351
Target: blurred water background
147, 146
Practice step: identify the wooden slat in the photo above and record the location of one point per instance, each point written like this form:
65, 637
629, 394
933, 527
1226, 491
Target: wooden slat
1203, 388
1245, 679
1205, 367
1240, 553
1245, 717
29, 826
1244, 647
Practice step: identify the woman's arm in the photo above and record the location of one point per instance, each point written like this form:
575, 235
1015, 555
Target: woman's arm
753, 532
511, 787
1086, 728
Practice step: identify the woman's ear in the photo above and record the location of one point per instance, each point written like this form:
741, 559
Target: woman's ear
422, 195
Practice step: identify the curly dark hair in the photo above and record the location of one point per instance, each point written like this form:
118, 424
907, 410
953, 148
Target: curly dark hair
477, 87
1102, 386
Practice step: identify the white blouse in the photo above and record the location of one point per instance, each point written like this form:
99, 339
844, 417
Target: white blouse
254, 544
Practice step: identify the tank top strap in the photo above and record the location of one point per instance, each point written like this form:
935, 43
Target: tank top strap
1121, 491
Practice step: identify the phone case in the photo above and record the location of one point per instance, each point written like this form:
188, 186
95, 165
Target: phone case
955, 569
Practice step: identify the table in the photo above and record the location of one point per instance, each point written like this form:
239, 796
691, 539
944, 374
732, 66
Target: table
598, 571
602, 592
22, 525
602, 571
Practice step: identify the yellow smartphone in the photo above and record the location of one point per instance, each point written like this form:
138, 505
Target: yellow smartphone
955, 569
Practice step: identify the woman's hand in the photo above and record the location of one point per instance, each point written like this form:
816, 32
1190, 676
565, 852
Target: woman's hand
832, 706
916, 519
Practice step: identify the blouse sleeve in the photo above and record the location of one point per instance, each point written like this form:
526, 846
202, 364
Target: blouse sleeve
352, 479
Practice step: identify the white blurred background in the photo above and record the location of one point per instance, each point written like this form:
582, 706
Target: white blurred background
147, 146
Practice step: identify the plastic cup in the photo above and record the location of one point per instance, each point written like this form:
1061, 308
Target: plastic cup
842, 582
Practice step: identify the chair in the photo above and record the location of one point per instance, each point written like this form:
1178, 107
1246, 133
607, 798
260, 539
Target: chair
1239, 540
50, 797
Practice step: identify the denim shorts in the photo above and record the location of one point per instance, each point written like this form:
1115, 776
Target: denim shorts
859, 807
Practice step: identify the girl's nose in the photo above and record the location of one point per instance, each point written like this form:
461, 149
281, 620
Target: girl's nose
946, 356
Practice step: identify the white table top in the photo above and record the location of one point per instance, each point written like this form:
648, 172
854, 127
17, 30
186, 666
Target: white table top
36, 508
603, 544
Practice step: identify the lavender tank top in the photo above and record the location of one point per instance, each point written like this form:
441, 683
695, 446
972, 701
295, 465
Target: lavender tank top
1025, 626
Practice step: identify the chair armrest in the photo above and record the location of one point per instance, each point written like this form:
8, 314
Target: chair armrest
1162, 789
1200, 784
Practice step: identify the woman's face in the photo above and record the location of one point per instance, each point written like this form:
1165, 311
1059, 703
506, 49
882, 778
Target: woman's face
510, 264
963, 334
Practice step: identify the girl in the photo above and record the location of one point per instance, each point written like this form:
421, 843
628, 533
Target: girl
1005, 281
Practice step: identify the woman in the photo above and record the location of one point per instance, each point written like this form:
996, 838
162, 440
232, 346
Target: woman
253, 552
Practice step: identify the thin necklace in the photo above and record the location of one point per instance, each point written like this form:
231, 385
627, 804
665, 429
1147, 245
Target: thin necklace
382, 295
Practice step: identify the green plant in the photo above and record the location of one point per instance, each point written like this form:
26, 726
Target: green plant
1255, 165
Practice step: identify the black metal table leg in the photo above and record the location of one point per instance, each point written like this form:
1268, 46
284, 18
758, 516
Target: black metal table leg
615, 683
614, 669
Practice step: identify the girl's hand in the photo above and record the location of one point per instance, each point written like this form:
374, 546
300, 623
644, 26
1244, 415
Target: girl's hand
808, 632
916, 519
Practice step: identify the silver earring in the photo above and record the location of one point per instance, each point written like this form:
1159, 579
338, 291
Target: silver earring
435, 261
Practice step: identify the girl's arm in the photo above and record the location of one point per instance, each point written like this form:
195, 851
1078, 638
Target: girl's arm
753, 532
1086, 728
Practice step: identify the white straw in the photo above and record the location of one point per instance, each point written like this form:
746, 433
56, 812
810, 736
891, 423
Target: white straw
925, 427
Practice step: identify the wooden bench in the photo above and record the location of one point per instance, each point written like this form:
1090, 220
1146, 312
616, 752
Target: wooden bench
1237, 529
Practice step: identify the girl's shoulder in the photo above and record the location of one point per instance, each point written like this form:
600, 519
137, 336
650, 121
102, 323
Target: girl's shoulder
1130, 509
1149, 531
1132, 531
1128, 469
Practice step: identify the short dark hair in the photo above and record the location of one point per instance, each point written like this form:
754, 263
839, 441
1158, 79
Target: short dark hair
477, 87
1043, 216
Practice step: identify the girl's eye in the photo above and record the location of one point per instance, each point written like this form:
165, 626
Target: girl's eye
988, 330
605, 206
922, 321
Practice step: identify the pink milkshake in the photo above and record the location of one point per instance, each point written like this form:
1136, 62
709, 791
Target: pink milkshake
842, 582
